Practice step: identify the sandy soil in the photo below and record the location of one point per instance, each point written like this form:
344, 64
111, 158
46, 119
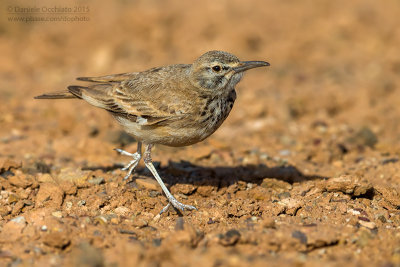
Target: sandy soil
304, 172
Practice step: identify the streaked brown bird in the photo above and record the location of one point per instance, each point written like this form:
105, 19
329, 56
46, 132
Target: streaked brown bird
176, 105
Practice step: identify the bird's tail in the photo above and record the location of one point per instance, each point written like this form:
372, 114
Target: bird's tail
56, 95
73, 92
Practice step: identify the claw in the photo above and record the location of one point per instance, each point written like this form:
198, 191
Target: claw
130, 167
177, 205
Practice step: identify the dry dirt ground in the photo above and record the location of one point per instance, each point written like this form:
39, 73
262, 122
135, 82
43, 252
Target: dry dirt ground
304, 172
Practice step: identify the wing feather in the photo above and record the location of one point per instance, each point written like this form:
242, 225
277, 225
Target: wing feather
146, 98
121, 101
109, 78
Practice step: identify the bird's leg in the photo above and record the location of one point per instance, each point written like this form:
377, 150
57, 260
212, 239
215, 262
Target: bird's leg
172, 200
133, 163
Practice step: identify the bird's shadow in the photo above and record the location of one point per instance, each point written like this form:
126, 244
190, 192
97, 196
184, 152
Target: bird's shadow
185, 172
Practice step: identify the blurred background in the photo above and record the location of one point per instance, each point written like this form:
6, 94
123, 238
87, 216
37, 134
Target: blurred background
306, 167
332, 85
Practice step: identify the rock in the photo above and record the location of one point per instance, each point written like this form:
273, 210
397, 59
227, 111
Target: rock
12, 230
21, 180
186, 189
353, 212
19, 220
291, 205
18, 208
102, 220
390, 194
13, 198
157, 242
186, 235
268, 223
7, 164
348, 185
364, 237
50, 194
276, 184
127, 232
42, 167
205, 189
57, 214
230, 238
369, 225
44, 178
381, 218
140, 223
284, 152
297, 107
284, 195
68, 205
5, 210
235, 209
114, 221
302, 237
58, 240
148, 183
320, 236
122, 211
389, 160
154, 194
365, 137
97, 180
68, 187
78, 177
4, 194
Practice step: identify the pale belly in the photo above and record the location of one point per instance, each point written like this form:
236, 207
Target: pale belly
177, 134
184, 132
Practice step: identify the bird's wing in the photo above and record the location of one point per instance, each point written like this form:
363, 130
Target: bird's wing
109, 78
145, 101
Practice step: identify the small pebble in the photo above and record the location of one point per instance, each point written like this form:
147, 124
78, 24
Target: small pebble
122, 211
284, 152
230, 238
57, 214
101, 220
68, 204
98, 180
19, 219
369, 225
269, 223
302, 237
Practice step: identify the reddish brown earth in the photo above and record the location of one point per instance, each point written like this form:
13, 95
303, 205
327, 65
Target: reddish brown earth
304, 172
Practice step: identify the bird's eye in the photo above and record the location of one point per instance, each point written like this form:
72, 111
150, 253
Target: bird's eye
216, 68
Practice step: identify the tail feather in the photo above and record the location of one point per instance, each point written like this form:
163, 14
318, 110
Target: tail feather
56, 95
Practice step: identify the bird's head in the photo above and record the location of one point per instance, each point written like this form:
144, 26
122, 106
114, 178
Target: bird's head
217, 71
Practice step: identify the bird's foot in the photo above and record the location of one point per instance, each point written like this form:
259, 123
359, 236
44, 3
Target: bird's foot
132, 164
177, 205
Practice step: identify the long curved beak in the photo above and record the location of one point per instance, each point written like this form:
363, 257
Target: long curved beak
246, 65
